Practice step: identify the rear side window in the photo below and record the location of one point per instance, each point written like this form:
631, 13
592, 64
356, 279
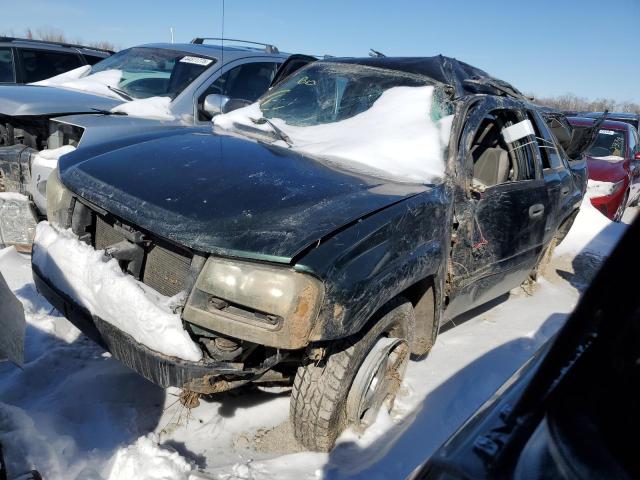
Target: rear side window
546, 142
7, 71
40, 64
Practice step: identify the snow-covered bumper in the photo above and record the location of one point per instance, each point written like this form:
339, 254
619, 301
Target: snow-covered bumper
202, 376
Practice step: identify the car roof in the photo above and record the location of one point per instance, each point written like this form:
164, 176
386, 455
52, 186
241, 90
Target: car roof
465, 78
625, 115
53, 46
611, 124
231, 52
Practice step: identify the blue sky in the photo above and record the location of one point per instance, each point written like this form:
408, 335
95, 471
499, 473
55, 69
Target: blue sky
588, 47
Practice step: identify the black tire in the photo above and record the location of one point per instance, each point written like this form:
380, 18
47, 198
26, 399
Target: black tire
319, 396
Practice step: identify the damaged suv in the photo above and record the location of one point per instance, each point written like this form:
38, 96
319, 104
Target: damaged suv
317, 238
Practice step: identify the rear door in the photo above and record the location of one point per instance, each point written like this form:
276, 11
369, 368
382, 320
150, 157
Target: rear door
501, 206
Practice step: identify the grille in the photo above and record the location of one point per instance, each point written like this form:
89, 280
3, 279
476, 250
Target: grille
163, 269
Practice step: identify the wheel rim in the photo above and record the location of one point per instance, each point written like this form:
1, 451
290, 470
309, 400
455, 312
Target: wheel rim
377, 381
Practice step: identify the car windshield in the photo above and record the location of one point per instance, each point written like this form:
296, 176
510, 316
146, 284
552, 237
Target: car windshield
329, 92
609, 145
149, 72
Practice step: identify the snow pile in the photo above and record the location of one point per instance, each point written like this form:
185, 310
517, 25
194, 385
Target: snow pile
156, 108
17, 221
609, 158
97, 83
596, 188
395, 138
49, 157
101, 286
146, 460
591, 232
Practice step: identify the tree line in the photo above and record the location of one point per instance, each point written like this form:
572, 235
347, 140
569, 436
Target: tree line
48, 34
572, 102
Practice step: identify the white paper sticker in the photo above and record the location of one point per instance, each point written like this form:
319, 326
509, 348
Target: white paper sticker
518, 131
607, 132
196, 60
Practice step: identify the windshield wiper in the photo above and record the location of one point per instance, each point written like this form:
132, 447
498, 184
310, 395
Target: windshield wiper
122, 93
108, 112
281, 135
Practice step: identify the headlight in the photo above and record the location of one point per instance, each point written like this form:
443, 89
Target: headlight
266, 304
58, 201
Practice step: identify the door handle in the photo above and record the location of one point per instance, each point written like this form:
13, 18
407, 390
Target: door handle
536, 210
564, 191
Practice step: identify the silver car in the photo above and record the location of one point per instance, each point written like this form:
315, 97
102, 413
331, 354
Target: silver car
196, 79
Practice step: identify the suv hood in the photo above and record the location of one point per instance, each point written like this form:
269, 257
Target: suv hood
25, 100
225, 194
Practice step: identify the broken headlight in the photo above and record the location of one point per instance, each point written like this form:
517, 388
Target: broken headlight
266, 304
58, 201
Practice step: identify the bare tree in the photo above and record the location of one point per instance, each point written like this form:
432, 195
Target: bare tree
572, 102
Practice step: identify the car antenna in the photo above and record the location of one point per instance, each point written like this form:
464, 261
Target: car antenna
222, 39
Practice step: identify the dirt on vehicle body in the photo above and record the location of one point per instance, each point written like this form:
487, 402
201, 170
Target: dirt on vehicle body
306, 241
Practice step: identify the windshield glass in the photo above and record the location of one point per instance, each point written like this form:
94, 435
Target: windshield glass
330, 92
149, 72
609, 145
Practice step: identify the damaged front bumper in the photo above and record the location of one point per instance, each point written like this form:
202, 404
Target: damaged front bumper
202, 377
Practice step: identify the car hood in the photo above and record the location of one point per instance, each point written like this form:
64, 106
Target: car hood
225, 194
28, 100
607, 170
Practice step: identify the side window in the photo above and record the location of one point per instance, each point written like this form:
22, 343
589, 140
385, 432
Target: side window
40, 64
7, 71
546, 142
496, 161
246, 82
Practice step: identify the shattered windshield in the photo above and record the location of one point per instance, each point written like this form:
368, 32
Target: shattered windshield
330, 92
609, 145
150, 72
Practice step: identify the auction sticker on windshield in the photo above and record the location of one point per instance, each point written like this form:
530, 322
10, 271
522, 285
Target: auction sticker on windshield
606, 132
196, 60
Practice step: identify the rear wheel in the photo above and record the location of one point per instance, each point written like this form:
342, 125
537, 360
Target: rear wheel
359, 376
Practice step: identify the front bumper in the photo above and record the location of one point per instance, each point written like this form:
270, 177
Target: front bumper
202, 377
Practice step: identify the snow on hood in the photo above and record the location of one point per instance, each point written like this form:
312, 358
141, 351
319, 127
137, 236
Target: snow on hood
609, 158
49, 157
78, 79
596, 188
100, 286
156, 108
395, 138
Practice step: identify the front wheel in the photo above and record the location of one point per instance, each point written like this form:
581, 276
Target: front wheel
359, 376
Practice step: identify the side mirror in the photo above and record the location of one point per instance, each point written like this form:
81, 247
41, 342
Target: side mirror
215, 104
636, 156
234, 104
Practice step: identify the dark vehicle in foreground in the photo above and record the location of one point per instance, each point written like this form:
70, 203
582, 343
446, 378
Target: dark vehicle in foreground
614, 163
573, 411
297, 268
24, 61
632, 119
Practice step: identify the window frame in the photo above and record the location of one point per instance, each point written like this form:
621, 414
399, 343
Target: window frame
20, 59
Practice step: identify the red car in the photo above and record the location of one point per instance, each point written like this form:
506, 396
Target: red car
614, 166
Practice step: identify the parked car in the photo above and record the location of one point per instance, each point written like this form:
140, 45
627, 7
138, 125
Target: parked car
25, 61
614, 166
77, 112
315, 238
630, 118
573, 410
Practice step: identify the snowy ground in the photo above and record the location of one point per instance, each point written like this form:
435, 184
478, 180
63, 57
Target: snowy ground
75, 413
